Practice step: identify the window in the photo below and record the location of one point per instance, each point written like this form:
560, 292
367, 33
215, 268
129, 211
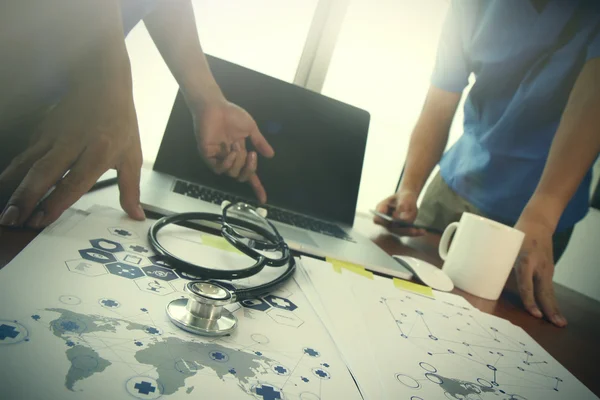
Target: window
265, 35
382, 62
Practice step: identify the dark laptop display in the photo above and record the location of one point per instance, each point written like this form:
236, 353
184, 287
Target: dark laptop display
319, 145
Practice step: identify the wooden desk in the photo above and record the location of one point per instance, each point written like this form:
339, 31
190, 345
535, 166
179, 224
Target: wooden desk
576, 347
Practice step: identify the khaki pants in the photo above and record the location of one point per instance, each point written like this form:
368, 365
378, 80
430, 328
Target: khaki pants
441, 206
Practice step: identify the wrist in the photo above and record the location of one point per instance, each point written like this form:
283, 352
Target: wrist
201, 90
110, 66
542, 210
408, 186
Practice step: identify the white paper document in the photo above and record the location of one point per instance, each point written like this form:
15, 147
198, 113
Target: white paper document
400, 345
82, 316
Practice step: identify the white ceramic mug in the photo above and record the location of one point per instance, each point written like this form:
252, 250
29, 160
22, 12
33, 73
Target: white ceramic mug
481, 254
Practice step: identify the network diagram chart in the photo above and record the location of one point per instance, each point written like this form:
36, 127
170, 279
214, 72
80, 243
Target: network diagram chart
450, 338
98, 321
420, 348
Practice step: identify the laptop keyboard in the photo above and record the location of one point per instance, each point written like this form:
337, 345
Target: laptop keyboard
274, 214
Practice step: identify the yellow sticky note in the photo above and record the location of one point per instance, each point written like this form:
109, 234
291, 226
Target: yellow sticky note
218, 242
357, 269
414, 287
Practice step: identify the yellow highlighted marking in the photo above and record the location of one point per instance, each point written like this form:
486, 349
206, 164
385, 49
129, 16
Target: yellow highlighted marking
218, 242
414, 288
357, 269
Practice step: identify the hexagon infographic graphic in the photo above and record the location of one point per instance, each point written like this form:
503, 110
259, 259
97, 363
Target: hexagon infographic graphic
124, 270
285, 317
97, 255
255, 304
86, 267
133, 258
106, 245
123, 233
154, 286
138, 249
280, 302
164, 274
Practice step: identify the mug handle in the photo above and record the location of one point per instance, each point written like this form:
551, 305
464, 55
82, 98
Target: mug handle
444, 246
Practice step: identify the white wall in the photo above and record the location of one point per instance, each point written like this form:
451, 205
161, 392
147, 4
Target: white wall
579, 267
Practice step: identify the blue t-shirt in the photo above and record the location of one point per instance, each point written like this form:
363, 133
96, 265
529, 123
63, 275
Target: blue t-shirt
525, 60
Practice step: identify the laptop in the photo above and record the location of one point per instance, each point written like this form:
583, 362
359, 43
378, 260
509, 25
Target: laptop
311, 183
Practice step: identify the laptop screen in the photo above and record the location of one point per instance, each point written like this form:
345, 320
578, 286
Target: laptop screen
319, 145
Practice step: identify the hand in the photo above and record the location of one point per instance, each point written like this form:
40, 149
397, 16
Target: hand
222, 129
403, 206
534, 271
92, 129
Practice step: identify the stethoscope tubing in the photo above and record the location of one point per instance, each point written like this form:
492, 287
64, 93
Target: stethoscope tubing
235, 240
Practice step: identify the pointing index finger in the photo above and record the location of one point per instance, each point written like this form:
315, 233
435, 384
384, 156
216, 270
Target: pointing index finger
258, 188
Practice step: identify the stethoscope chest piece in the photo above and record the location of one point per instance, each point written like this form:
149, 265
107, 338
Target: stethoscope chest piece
204, 313
246, 229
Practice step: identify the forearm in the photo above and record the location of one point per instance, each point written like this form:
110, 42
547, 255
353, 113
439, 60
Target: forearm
172, 26
429, 138
49, 44
573, 151
106, 61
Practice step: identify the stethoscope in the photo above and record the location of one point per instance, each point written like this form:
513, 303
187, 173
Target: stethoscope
248, 230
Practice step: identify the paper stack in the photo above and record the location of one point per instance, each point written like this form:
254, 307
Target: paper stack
402, 345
